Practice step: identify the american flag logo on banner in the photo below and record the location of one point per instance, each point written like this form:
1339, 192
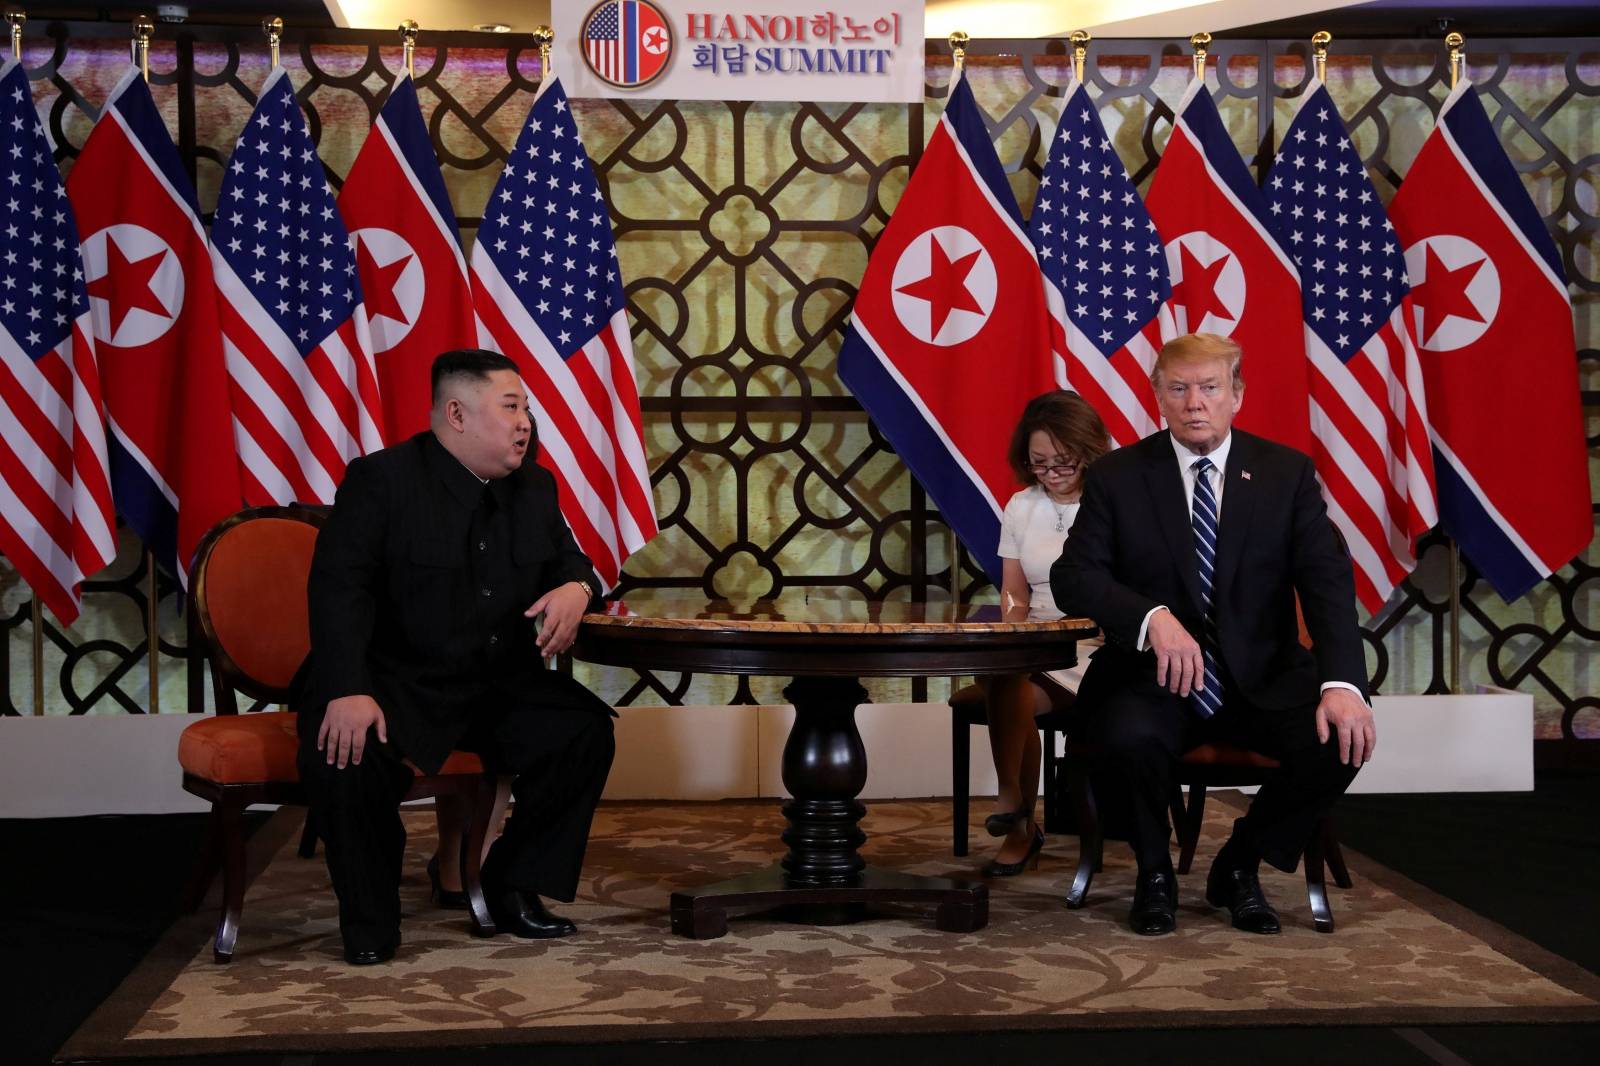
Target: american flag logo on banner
1105, 273
1369, 417
627, 43
548, 293
56, 521
305, 392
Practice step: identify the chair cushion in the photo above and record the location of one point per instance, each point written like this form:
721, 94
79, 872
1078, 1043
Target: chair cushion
233, 749
1227, 755
236, 749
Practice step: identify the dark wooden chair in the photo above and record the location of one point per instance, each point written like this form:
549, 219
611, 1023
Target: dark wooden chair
247, 595
968, 708
1208, 766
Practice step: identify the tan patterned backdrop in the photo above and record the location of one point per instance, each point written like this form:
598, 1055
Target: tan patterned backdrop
742, 230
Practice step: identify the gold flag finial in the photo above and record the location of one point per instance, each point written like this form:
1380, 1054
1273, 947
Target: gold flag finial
1319, 53
273, 28
144, 27
1200, 42
1458, 55
958, 48
16, 18
545, 38
408, 41
1080, 48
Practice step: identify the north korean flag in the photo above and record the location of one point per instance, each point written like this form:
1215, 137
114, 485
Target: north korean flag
408, 255
950, 338
1492, 324
1229, 273
153, 306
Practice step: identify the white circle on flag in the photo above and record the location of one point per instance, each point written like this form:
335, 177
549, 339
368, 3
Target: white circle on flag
1212, 298
1455, 292
655, 40
394, 306
147, 290
948, 317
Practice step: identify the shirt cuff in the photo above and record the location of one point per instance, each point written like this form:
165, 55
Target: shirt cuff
1326, 685
1140, 645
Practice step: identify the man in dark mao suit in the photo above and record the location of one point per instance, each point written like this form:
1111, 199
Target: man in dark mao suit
439, 558
1189, 551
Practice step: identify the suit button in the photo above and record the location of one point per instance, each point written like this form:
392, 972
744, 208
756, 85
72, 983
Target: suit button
486, 592
494, 639
482, 545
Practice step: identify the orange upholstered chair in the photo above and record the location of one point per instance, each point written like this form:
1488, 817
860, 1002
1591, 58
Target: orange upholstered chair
247, 595
1208, 766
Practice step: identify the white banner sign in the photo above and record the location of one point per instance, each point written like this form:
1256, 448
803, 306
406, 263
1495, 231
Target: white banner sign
863, 50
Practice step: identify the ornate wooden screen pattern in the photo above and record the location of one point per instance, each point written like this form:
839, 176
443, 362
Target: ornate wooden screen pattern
742, 230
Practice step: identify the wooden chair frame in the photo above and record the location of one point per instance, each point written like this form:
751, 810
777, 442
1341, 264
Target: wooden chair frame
224, 846
963, 715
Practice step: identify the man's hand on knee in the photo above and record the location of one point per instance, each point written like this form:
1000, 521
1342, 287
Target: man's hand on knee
563, 608
1343, 712
343, 735
1180, 668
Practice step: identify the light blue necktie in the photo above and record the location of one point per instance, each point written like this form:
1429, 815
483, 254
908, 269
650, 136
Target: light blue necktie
1207, 701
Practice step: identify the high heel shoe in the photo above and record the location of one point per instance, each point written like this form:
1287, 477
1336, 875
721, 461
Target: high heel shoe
446, 898
998, 825
996, 868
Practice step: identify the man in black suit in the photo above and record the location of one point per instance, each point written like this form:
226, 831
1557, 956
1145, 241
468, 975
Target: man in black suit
1188, 552
443, 575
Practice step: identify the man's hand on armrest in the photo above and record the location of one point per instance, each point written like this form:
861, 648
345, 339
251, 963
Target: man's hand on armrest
1343, 711
1180, 668
344, 728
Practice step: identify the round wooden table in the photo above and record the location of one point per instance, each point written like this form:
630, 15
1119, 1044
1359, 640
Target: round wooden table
825, 645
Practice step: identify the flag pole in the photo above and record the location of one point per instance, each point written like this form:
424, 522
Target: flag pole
1319, 53
1200, 42
545, 38
143, 29
408, 40
36, 612
1456, 44
273, 28
1080, 48
958, 55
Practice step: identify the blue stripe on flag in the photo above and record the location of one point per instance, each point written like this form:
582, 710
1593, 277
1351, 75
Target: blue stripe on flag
964, 505
142, 504
1485, 544
1468, 123
138, 109
1205, 123
402, 114
966, 118
630, 42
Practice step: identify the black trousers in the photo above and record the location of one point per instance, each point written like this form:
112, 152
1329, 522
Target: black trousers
555, 737
1142, 729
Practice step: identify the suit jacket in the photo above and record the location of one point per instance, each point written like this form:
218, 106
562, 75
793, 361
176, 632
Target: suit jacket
395, 611
1132, 548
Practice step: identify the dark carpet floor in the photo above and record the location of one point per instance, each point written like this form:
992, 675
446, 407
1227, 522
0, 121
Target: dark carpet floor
82, 900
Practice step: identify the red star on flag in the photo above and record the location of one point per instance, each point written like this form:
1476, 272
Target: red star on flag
1443, 292
379, 291
1197, 292
945, 286
125, 286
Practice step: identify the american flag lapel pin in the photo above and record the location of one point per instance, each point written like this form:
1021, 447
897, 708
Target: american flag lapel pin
1244, 475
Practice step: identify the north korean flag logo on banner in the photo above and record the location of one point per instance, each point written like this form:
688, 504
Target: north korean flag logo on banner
950, 335
627, 43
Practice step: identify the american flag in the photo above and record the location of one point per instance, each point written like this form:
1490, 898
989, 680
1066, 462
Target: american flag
57, 525
1105, 271
305, 393
1369, 417
548, 293
602, 39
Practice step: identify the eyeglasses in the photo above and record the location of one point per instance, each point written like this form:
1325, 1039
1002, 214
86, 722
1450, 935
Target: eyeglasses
1053, 469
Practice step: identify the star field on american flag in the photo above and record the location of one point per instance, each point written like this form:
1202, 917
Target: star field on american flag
548, 231
604, 26
41, 276
1094, 237
1352, 270
277, 226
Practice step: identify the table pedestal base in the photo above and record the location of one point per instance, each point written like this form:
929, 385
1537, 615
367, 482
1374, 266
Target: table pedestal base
702, 913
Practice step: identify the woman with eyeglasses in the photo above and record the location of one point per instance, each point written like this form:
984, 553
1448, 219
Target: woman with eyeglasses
1058, 436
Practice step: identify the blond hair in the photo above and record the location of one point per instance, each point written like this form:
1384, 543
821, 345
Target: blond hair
1194, 348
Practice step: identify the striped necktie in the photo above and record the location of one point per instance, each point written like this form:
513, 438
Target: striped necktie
1207, 701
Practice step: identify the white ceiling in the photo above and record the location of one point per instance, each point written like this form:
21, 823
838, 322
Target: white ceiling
981, 18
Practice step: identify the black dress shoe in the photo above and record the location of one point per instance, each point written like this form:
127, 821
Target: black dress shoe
1155, 903
523, 914
368, 956
996, 868
998, 825
1240, 892
446, 898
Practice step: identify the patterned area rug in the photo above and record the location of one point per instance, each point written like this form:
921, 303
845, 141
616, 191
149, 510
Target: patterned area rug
1400, 956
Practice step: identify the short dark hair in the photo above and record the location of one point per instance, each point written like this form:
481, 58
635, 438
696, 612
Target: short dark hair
474, 363
1069, 420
